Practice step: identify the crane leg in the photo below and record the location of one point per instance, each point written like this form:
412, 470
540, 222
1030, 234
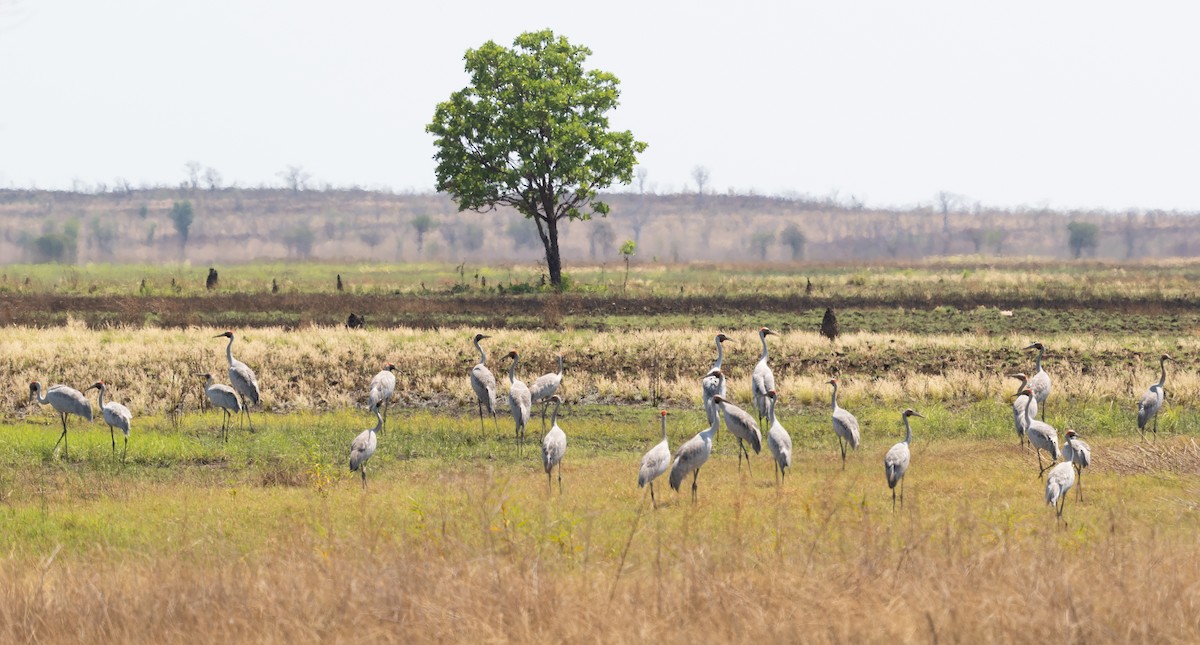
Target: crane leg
363, 470
1155, 425
62, 438
113, 436
549, 483
777, 472
902, 492
560, 492
495, 422
893, 500
385, 407
749, 470
480, 404
652, 502
125, 450
842, 445
1039, 456
695, 476
1045, 469
1079, 485
249, 419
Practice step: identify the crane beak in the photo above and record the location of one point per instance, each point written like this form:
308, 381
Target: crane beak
918, 414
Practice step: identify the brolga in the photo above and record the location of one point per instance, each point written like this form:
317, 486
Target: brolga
1077, 452
711, 386
242, 378
656, 461
554, 444
762, 380
544, 387
116, 416
65, 400
1042, 436
1040, 381
778, 440
383, 386
1020, 401
519, 400
845, 426
740, 424
221, 396
364, 445
1060, 480
895, 462
694, 452
1151, 402
484, 384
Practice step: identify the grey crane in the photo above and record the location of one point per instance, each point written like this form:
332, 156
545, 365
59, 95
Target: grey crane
484, 384
1151, 402
221, 396
364, 445
1060, 480
711, 386
116, 416
1040, 381
1076, 451
544, 387
778, 440
554, 444
762, 380
740, 424
65, 400
242, 378
383, 386
845, 425
656, 462
1020, 401
519, 400
1042, 436
895, 462
692, 455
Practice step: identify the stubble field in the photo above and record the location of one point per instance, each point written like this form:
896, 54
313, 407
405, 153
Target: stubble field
268, 537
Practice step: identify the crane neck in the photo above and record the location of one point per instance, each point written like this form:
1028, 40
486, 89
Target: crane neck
1039, 359
1029, 411
102, 389
482, 356
716, 423
835, 387
554, 415
560, 365
229, 351
664, 427
720, 356
512, 371
378, 421
1021, 387
770, 411
40, 395
1162, 378
907, 430
763, 338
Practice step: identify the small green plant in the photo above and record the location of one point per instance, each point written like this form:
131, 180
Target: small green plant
627, 251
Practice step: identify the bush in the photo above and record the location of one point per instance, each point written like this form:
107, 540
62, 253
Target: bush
1084, 236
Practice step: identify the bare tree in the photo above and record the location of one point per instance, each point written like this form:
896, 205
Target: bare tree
212, 178
602, 237
700, 176
193, 174
640, 174
295, 178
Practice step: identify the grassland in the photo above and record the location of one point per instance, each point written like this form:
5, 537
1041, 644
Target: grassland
269, 538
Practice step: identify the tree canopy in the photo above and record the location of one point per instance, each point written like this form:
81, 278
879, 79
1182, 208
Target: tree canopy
531, 132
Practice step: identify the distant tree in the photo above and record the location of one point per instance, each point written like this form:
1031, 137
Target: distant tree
299, 240
212, 178
181, 216
994, 239
51, 247
522, 234
793, 238
641, 174
977, 236
295, 178
193, 174
700, 176
760, 241
104, 234
628, 249
468, 236
1130, 232
1084, 236
531, 132
422, 224
601, 237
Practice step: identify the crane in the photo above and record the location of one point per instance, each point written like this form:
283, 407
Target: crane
383, 385
694, 452
1060, 480
484, 384
554, 444
711, 386
544, 387
1077, 452
845, 426
364, 445
778, 439
242, 378
656, 462
1019, 403
1151, 402
65, 400
222, 396
1042, 436
1040, 381
763, 379
519, 400
115, 415
895, 462
740, 424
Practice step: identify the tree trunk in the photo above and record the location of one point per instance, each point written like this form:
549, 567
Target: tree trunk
553, 262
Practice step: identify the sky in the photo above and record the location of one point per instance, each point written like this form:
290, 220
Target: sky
1040, 104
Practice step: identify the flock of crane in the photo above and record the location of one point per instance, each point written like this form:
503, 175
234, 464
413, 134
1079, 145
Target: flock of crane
1030, 398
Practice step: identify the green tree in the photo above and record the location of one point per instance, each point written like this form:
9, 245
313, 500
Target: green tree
530, 132
793, 238
181, 217
761, 241
1084, 237
627, 249
422, 224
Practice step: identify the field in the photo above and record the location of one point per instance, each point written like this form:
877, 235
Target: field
269, 538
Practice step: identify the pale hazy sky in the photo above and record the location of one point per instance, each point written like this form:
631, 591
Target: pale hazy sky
1065, 104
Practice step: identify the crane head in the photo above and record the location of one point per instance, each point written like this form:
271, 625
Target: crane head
479, 337
554, 399
722, 338
771, 394
34, 386
766, 331
662, 413
832, 381
99, 385
718, 399
512, 355
715, 373
1035, 345
1027, 392
1166, 357
1020, 376
390, 367
203, 375
912, 413
1071, 434
227, 334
